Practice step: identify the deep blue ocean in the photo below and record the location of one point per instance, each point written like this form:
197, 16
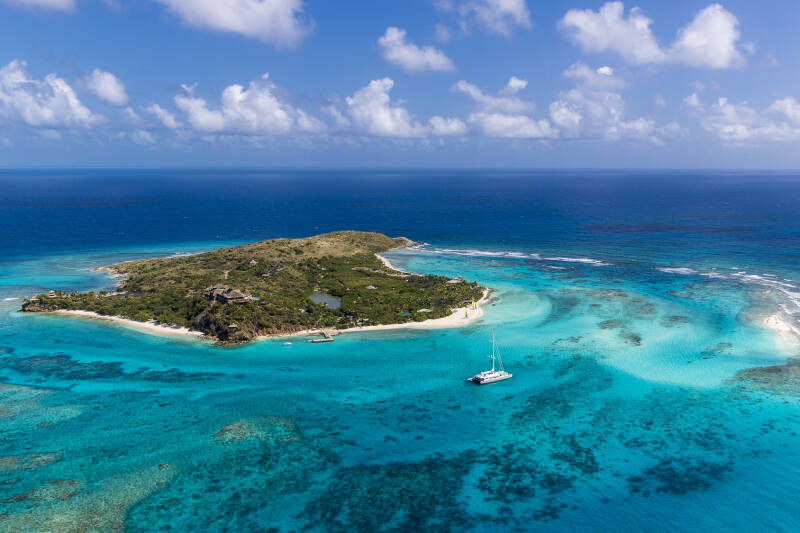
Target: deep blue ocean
651, 321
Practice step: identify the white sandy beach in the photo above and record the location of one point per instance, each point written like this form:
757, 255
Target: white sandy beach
389, 264
148, 327
455, 320
460, 317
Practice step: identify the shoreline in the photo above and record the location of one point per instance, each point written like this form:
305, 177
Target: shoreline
389, 265
146, 327
454, 320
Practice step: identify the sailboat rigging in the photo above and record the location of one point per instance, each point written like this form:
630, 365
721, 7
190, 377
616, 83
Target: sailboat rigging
493, 375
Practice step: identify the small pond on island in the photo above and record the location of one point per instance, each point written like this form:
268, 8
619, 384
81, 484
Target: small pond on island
322, 297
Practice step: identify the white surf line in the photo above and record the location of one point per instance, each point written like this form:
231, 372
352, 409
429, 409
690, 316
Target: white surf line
678, 270
786, 320
514, 255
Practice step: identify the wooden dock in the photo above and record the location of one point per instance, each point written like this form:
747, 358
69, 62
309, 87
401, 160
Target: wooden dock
326, 337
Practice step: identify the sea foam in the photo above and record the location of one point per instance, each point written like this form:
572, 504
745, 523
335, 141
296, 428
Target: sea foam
677, 270
513, 255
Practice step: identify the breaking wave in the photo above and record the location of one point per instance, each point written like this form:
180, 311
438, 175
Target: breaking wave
513, 255
677, 270
585, 260
784, 290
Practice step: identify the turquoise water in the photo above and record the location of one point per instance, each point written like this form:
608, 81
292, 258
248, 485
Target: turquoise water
647, 392
620, 415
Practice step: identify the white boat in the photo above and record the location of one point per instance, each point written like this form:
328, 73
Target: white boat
493, 375
287, 343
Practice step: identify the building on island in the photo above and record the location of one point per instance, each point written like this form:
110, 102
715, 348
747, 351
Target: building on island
226, 295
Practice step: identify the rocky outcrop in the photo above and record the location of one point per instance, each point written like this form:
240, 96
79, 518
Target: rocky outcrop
405, 242
36, 305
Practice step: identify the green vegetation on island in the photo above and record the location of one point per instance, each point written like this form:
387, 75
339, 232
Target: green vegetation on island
235, 294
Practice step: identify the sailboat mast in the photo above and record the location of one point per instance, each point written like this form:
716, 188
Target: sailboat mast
492, 349
496, 354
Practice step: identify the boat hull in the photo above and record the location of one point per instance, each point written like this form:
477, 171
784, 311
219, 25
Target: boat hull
492, 379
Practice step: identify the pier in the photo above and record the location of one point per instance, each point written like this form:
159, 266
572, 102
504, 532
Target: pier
326, 336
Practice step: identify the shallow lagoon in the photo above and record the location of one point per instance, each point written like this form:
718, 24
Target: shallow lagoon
625, 411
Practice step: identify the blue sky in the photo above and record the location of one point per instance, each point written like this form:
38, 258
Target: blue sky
417, 83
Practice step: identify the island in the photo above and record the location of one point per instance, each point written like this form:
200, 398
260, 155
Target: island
335, 281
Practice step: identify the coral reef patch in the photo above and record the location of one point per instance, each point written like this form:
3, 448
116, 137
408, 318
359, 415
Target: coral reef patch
103, 509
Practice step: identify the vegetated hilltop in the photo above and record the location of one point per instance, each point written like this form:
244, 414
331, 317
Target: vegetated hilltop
235, 294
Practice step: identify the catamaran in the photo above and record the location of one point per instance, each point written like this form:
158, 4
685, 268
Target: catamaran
492, 376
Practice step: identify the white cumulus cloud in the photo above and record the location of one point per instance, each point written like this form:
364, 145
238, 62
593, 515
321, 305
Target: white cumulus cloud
496, 16
640, 128
504, 114
514, 85
166, 118
505, 101
278, 22
593, 110
708, 41
410, 57
107, 87
788, 107
566, 117
739, 123
446, 126
47, 103
512, 126
255, 110
609, 29
371, 110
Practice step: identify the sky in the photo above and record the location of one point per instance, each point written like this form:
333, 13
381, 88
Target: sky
389, 83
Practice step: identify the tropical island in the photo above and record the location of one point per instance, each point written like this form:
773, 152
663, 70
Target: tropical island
274, 287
